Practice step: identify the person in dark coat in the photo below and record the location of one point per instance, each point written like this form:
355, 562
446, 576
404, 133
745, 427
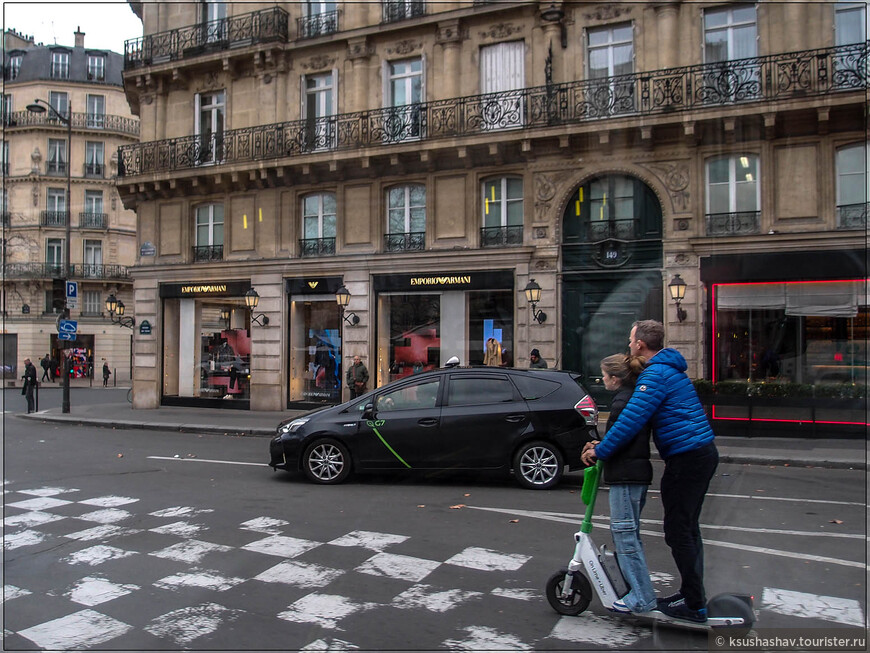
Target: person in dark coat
357, 378
45, 364
535, 361
629, 473
29, 386
665, 398
106, 373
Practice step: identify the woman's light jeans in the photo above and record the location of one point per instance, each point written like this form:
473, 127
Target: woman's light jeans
626, 503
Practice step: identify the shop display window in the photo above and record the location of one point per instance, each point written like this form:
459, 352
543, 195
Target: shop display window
315, 351
490, 325
414, 328
225, 364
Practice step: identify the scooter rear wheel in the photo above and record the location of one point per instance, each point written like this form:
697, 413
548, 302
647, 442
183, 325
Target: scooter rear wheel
581, 593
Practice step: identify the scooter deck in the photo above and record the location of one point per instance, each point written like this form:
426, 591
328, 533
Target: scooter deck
712, 622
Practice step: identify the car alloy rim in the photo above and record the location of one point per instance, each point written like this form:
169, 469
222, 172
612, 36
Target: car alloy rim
326, 462
538, 465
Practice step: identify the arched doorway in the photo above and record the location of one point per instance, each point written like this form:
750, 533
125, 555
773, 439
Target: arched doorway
611, 263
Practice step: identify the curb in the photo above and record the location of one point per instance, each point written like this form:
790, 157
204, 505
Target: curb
724, 456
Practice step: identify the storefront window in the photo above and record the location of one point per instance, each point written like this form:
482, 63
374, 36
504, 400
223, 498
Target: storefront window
794, 332
224, 357
411, 341
491, 330
315, 351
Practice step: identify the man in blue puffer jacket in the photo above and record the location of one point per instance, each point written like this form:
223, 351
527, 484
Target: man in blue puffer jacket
665, 398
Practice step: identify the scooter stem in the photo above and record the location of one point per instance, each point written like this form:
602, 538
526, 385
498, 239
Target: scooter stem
591, 477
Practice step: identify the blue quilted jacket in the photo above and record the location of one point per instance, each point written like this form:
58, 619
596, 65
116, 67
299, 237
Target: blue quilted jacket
665, 397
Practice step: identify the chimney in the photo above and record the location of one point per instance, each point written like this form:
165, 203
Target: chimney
80, 37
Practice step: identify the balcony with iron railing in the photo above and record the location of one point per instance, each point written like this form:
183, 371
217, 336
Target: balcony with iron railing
99, 271
82, 121
59, 271
619, 229
53, 218
206, 253
94, 170
88, 220
413, 241
396, 10
852, 216
511, 236
55, 168
312, 247
264, 26
738, 223
692, 88
309, 27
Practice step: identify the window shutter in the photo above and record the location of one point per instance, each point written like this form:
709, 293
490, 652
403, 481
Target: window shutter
335, 95
197, 114
385, 83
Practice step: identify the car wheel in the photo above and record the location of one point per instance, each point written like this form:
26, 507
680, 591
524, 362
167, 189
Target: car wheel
326, 461
538, 465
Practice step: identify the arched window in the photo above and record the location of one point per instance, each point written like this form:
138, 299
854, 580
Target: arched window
733, 195
406, 218
318, 224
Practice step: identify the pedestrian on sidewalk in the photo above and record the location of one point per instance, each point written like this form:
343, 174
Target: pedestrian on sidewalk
45, 364
357, 378
106, 373
29, 384
536, 362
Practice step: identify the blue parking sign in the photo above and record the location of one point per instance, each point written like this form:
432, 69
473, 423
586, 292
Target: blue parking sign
72, 288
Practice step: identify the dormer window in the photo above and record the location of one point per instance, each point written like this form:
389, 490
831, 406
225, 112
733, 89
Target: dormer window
97, 67
60, 64
15, 65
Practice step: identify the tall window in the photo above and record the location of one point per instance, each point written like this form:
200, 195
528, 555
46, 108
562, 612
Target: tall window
14, 65
850, 23
93, 217
502, 78
97, 67
733, 195
60, 65
57, 159
502, 212
318, 224
730, 33
210, 112
214, 13
406, 217
318, 109
321, 17
4, 157
6, 108
93, 258
853, 186
94, 159
404, 94
59, 101
54, 251
96, 108
91, 302
210, 225
611, 53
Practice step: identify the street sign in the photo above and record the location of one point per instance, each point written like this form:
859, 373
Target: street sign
66, 336
145, 328
67, 326
72, 289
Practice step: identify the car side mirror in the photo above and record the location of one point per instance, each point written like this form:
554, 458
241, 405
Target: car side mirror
368, 411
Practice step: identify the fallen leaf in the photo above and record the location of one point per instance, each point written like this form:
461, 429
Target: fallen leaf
466, 495
120, 455
515, 521
786, 465
421, 505
457, 506
836, 521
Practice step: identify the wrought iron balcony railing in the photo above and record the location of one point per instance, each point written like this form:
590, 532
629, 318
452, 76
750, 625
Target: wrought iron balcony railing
99, 271
852, 216
262, 26
35, 271
53, 218
55, 168
733, 224
311, 247
93, 220
208, 253
407, 242
779, 77
618, 229
395, 10
94, 170
113, 123
501, 236
308, 27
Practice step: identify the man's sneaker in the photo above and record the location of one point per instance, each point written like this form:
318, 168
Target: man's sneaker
679, 610
619, 606
666, 600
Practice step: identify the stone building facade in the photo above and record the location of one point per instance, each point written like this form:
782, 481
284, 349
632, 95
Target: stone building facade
436, 158
84, 86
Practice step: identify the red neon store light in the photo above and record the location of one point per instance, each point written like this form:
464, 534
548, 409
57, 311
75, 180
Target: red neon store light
715, 333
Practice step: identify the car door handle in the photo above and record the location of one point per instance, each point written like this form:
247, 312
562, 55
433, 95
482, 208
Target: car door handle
515, 418
428, 421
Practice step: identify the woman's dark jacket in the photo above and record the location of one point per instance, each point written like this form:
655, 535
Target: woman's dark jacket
631, 463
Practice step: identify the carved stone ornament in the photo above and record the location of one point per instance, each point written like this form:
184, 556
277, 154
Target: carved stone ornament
405, 47
35, 159
681, 224
359, 48
545, 190
676, 178
501, 31
607, 12
682, 258
319, 62
211, 80
35, 193
540, 233
449, 32
543, 264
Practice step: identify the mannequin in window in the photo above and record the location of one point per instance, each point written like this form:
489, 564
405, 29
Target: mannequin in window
492, 355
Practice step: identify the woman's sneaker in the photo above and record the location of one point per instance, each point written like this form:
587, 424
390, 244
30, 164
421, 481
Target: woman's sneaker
619, 606
679, 610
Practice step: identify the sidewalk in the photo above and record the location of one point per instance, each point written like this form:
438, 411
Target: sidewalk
830, 453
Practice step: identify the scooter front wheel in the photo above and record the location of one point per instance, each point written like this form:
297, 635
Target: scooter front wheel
577, 601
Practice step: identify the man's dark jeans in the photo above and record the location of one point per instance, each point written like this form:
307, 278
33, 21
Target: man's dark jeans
684, 485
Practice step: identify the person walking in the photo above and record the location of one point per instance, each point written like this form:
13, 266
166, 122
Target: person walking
535, 361
665, 398
106, 373
45, 364
357, 378
628, 472
29, 386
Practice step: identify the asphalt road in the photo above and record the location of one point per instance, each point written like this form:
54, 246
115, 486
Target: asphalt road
145, 540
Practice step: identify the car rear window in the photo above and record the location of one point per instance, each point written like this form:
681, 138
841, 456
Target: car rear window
534, 388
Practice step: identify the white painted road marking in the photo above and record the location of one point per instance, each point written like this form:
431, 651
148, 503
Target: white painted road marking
812, 606
81, 630
206, 460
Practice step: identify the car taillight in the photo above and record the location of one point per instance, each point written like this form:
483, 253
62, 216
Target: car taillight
588, 410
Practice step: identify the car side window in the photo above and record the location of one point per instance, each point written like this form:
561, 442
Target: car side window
534, 388
476, 391
413, 396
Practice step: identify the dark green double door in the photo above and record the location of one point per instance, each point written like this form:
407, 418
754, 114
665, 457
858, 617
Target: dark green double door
598, 313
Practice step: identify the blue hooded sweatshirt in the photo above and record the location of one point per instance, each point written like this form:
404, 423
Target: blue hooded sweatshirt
665, 397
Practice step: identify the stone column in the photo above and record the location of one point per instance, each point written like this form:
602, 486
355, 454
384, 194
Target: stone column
358, 53
667, 34
448, 36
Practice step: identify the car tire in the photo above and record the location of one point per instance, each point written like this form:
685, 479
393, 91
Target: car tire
538, 465
326, 461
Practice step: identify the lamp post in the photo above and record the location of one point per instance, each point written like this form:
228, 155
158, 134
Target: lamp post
40, 106
677, 288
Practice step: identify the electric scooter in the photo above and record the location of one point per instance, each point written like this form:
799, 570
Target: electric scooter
569, 591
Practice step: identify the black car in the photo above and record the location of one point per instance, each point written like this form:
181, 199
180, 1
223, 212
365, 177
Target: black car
533, 423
